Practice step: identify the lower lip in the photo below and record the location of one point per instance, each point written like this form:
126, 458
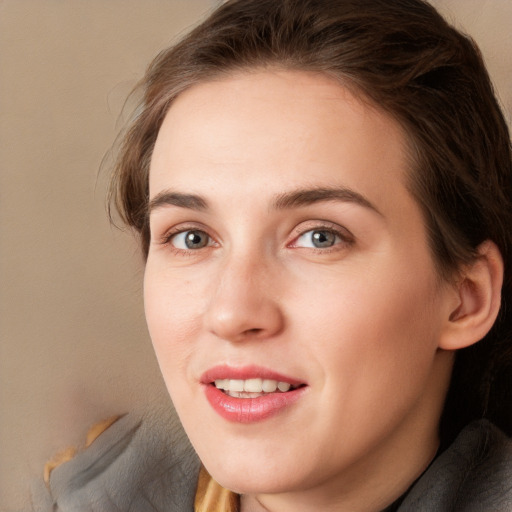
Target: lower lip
250, 410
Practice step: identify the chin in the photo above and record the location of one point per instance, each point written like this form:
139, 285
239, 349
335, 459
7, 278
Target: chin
250, 472
250, 481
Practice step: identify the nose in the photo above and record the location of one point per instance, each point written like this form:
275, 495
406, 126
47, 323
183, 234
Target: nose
245, 303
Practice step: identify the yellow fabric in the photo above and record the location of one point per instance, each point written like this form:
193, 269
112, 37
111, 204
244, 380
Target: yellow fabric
67, 454
211, 497
57, 460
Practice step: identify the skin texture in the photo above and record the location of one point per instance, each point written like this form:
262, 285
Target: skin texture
360, 322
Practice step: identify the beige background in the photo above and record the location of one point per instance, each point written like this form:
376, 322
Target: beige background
73, 343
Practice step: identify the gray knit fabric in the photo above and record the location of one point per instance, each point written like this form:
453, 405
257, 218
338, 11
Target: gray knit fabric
147, 465
139, 464
473, 475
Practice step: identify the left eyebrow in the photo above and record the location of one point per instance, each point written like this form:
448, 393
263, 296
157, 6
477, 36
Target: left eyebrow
305, 197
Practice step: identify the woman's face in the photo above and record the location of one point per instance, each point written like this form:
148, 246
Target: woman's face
286, 250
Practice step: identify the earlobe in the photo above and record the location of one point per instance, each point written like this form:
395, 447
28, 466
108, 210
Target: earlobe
478, 300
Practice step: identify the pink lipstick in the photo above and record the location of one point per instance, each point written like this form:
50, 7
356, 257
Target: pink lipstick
251, 393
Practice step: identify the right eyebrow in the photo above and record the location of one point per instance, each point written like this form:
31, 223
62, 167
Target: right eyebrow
168, 197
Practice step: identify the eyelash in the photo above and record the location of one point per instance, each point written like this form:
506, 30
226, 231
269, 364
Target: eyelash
345, 238
168, 237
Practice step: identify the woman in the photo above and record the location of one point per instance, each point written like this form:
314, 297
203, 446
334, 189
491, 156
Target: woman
323, 196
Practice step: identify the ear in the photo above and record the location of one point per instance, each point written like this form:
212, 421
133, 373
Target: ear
477, 300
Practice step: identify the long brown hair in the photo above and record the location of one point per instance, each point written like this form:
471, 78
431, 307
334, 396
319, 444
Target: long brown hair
402, 56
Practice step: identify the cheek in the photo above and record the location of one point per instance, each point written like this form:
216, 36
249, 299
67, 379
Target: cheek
371, 343
172, 308
371, 328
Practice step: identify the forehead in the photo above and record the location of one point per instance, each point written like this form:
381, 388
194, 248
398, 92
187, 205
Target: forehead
273, 129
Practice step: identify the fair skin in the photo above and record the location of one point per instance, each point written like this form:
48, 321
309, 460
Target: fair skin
283, 237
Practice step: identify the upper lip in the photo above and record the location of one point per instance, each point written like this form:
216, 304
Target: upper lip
244, 373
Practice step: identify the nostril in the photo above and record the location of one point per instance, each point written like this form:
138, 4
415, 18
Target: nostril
253, 331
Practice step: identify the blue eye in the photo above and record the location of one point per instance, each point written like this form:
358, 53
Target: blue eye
190, 240
318, 239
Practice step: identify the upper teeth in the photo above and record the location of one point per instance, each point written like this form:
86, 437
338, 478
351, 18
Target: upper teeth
252, 385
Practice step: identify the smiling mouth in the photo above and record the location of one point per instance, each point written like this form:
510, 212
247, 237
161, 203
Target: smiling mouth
253, 388
250, 394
